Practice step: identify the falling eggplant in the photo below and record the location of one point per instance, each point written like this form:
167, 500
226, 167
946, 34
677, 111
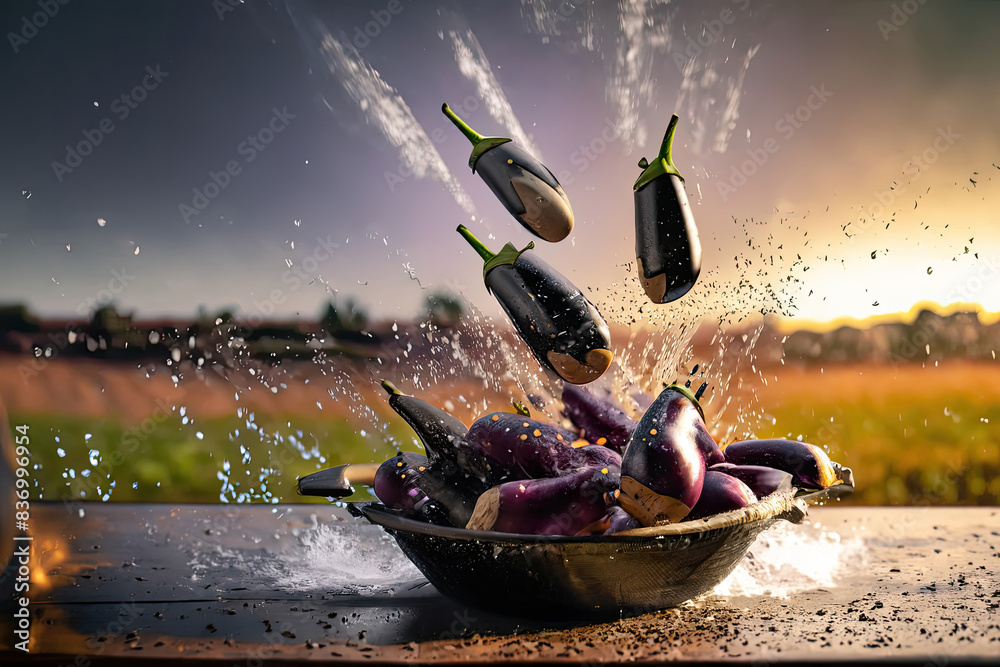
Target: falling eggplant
809, 465
721, 493
762, 480
600, 419
444, 438
562, 505
409, 482
532, 449
667, 247
522, 184
663, 468
561, 327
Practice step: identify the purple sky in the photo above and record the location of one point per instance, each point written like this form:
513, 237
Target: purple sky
360, 191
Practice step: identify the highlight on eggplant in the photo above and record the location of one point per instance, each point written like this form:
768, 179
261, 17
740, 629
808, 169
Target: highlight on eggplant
663, 468
560, 325
526, 188
721, 493
809, 465
667, 247
602, 421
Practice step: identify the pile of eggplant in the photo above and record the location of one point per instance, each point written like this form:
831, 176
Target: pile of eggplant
604, 474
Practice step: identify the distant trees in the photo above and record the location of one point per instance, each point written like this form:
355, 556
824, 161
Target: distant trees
444, 309
343, 318
17, 317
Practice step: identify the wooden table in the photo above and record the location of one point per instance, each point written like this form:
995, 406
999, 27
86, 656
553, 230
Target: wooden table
244, 584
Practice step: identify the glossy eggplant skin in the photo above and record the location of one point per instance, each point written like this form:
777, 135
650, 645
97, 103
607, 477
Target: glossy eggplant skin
531, 449
721, 493
663, 469
763, 481
409, 482
562, 505
667, 246
598, 418
453, 455
563, 329
809, 465
528, 190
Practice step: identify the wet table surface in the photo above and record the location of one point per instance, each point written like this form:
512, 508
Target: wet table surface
242, 584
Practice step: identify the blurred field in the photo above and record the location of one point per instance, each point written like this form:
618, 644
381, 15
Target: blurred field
912, 435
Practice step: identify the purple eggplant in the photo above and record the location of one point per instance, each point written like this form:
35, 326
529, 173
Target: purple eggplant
663, 468
763, 481
534, 449
721, 493
526, 188
667, 247
809, 465
600, 419
561, 327
615, 520
552, 506
444, 438
410, 483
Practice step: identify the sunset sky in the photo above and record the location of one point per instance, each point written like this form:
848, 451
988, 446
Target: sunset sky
812, 135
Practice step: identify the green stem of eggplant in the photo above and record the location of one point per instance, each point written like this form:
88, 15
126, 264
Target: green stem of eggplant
483, 251
668, 143
391, 388
684, 391
470, 134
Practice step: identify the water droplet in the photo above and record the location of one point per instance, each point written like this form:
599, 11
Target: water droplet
101, 222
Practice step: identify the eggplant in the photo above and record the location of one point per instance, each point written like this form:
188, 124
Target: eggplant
532, 449
615, 520
526, 188
809, 465
601, 421
409, 482
336, 482
551, 506
667, 247
721, 493
663, 468
762, 480
562, 328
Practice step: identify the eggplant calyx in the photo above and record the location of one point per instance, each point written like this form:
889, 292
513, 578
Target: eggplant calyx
507, 255
686, 393
662, 163
480, 144
520, 408
391, 388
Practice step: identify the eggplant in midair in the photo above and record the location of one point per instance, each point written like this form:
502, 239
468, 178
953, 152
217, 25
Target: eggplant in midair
667, 247
522, 184
663, 468
561, 327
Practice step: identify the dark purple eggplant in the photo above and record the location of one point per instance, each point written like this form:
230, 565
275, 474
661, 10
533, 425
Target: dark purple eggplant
600, 419
410, 483
809, 465
763, 481
721, 493
534, 449
552, 506
667, 247
615, 520
663, 468
562, 328
444, 437
526, 188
